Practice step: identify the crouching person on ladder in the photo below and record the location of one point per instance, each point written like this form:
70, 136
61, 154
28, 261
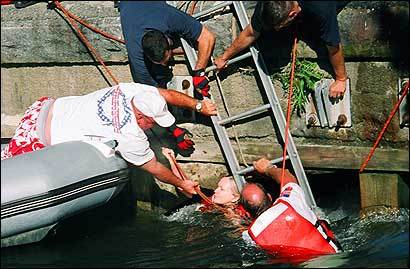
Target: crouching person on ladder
152, 30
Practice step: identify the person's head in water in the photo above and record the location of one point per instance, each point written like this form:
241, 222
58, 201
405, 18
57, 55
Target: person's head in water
255, 199
226, 193
157, 47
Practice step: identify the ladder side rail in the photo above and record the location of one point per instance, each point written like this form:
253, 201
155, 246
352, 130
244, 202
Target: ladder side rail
278, 113
280, 119
220, 131
212, 9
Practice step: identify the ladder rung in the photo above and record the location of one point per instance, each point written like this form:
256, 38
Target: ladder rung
252, 168
212, 9
245, 114
234, 60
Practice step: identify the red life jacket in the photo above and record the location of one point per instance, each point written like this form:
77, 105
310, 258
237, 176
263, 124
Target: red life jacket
6, 2
283, 231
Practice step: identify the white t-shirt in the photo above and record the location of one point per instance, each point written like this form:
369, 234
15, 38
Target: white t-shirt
90, 117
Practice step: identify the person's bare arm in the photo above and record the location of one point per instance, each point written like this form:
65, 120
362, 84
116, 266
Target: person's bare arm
264, 166
170, 155
244, 40
336, 58
162, 173
180, 99
206, 42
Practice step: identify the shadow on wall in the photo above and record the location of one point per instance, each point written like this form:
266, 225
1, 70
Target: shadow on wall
394, 21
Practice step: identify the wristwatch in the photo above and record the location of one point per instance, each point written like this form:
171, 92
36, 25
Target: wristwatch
198, 106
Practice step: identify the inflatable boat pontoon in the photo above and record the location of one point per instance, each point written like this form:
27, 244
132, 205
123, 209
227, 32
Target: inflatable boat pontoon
41, 188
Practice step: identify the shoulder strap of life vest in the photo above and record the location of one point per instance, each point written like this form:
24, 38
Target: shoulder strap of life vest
323, 227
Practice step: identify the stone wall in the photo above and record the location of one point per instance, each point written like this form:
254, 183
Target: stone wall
42, 55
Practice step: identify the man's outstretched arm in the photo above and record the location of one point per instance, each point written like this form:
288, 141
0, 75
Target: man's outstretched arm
244, 40
336, 58
179, 99
264, 166
162, 173
206, 42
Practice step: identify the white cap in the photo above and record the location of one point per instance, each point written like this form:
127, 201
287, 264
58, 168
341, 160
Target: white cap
152, 104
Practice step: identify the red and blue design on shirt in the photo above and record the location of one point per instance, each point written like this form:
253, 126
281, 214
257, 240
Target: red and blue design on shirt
286, 192
115, 95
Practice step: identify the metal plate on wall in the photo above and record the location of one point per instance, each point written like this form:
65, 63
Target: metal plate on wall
182, 84
404, 106
337, 112
318, 102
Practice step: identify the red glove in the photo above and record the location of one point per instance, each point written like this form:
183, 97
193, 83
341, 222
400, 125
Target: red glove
201, 82
182, 137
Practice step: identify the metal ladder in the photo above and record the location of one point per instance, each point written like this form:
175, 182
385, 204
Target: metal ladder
220, 124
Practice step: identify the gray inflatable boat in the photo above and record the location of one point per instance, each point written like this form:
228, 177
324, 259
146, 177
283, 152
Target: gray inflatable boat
41, 188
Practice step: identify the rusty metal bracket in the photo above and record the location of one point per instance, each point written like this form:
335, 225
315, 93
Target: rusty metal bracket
312, 118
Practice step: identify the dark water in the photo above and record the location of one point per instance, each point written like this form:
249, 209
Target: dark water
118, 236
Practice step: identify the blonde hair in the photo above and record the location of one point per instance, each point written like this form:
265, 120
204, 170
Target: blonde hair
234, 188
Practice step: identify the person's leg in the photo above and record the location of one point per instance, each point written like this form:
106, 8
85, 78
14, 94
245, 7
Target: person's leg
26, 138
